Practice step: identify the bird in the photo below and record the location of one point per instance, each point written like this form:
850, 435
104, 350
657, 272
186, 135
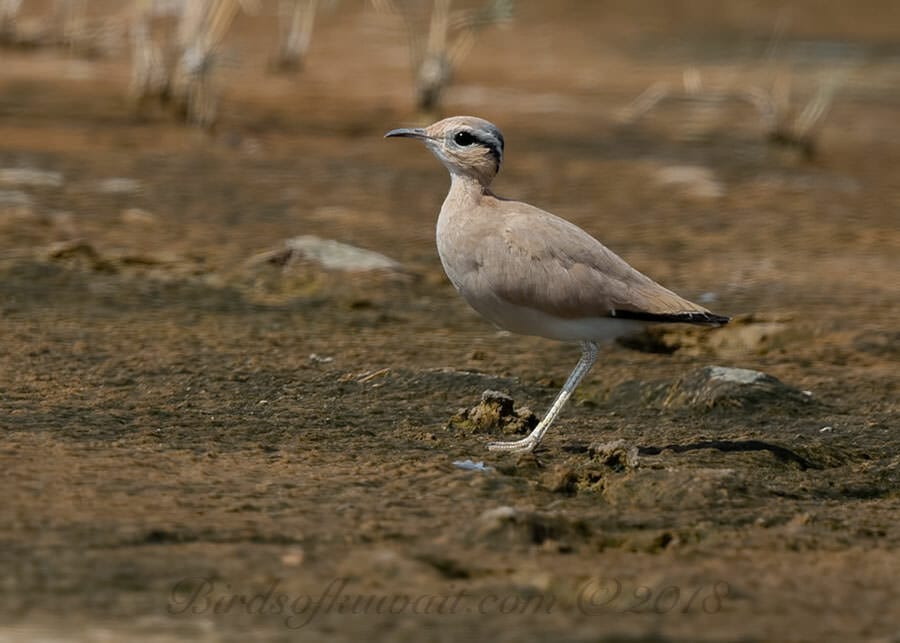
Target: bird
531, 272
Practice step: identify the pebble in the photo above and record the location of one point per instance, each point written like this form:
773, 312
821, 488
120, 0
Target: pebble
30, 177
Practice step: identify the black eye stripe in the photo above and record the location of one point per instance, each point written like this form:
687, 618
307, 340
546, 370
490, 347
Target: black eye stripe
492, 141
464, 138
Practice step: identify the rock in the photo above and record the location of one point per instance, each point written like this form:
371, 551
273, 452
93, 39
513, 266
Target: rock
694, 180
119, 185
30, 177
717, 387
293, 557
494, 413
712, 388
330, 254
137, 216
308, 266
496, 516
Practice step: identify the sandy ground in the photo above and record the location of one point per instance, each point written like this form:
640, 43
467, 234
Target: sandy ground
200, 447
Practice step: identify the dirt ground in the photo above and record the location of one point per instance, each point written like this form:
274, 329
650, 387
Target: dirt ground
200, 447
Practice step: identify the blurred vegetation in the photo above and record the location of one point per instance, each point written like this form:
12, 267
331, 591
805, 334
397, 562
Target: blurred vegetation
178, 47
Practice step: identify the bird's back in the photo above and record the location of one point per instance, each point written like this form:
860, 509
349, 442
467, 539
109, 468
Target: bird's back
532, 272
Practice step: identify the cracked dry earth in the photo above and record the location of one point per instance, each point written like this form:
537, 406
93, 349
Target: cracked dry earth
199, 444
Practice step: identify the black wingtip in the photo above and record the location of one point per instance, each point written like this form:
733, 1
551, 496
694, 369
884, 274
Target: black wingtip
708, 319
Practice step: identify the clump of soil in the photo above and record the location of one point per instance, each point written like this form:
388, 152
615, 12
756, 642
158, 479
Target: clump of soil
495, 413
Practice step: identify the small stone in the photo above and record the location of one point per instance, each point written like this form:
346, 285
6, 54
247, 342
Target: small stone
719, 387
137, 216
497, 514
119, 185
694, 180
736, 375
30, 177
293, 557
330, 254
340, 256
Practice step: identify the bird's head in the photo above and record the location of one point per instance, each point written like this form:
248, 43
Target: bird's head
466, 145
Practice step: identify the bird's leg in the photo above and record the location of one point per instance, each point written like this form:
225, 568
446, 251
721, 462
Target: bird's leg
588, 357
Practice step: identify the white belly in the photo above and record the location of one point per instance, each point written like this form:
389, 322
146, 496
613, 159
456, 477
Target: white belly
528, 321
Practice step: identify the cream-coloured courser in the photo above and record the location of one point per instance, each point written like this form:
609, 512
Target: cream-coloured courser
529, 271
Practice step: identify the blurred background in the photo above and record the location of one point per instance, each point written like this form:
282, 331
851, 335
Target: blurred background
165, 124
163, 127
243, 122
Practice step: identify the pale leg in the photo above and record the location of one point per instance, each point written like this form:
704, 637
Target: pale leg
588, 357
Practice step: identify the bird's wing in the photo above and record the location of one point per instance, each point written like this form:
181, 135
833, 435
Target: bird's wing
546, 263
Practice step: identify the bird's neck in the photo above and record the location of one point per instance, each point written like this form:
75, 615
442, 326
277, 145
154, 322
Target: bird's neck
466, 189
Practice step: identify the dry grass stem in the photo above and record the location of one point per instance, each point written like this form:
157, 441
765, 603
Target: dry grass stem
783, 121
438, 43
296, 21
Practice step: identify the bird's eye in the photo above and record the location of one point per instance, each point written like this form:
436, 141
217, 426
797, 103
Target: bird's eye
463, 138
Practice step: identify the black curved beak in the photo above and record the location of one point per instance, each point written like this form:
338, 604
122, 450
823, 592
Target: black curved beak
416, 132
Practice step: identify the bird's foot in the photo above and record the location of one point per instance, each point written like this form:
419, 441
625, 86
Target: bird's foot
524, 445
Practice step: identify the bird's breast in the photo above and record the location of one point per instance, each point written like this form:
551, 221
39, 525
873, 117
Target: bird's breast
457, 246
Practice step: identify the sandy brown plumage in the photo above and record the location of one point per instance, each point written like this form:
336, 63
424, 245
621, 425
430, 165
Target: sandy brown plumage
531, 272
532, 258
